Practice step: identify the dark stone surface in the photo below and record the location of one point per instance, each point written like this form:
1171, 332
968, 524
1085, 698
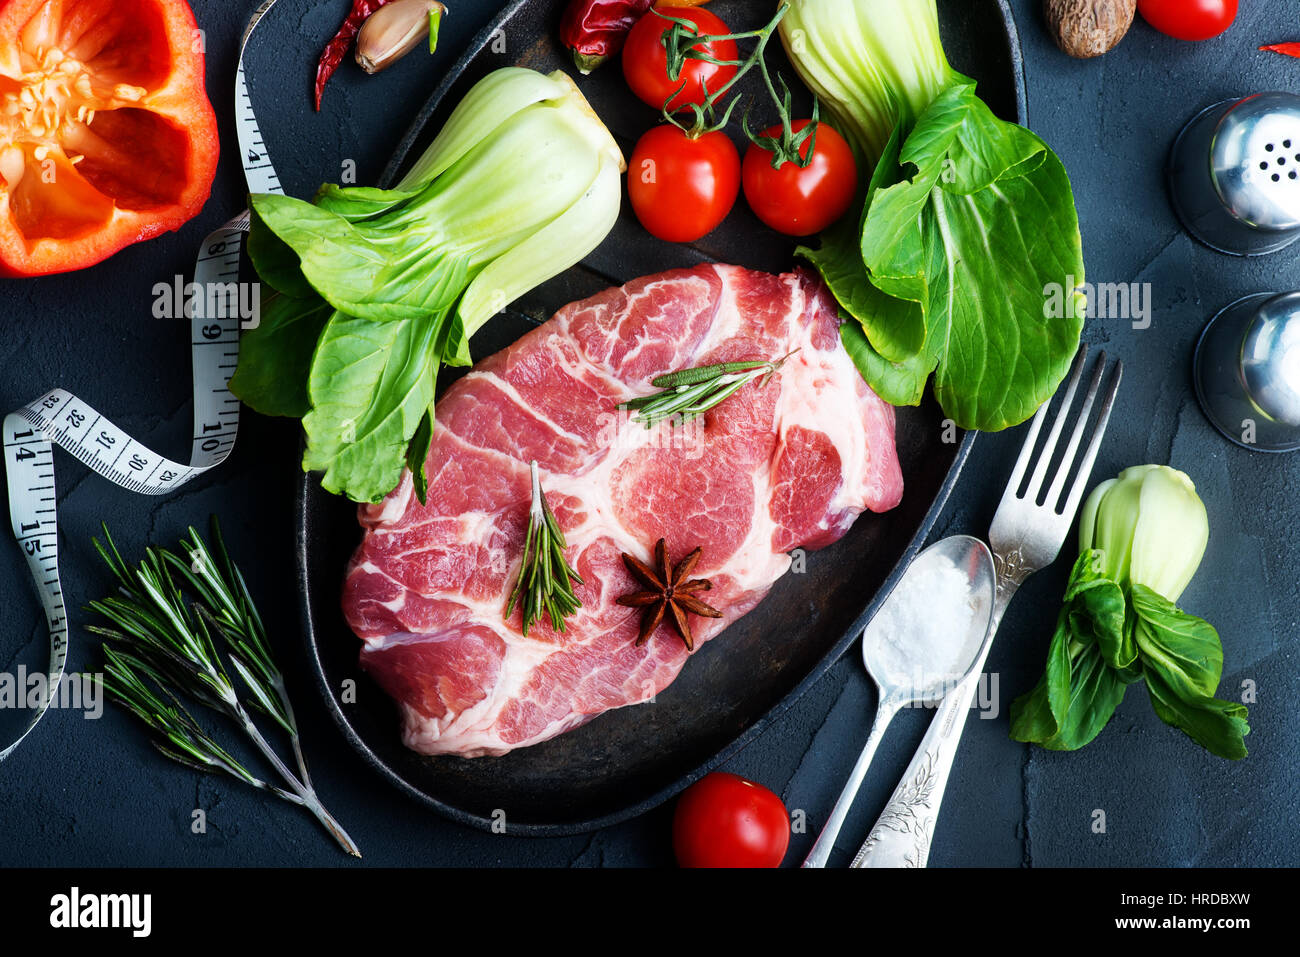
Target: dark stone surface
94, 793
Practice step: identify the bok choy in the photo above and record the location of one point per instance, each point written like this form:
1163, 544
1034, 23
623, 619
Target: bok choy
367, 292
1141, 539
967, 223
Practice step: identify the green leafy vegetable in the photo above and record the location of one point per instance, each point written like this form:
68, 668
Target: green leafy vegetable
965, 224
369, 291
1182, 662
1142, 538
1151, 527
870, 64
1079, 690
370, 386
275, 357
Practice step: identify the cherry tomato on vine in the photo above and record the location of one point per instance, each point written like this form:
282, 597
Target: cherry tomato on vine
682, 187
645, 61
723, 820
1189, 19
801, 201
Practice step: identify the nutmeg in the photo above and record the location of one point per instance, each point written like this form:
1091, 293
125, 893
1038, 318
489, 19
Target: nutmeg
1088, 28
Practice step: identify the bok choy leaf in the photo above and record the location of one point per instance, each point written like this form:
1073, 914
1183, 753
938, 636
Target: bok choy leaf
966, 222
368, 292
1142, 537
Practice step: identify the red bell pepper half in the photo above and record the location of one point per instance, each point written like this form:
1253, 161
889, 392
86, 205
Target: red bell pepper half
107, 137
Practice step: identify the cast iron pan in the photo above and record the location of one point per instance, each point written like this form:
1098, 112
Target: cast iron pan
626, 761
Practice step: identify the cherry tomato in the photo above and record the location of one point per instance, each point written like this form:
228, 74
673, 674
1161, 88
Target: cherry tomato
681, 188
645, 61
795, 201
724, 820
1189, 19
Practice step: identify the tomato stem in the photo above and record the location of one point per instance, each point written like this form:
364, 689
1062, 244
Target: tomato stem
786, 147
705, 119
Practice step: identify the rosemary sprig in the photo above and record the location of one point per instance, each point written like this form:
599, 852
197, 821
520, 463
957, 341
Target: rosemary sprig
161, 649
692, 392
545, 583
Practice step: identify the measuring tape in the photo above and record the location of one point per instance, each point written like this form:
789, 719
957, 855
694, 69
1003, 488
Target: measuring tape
60, 418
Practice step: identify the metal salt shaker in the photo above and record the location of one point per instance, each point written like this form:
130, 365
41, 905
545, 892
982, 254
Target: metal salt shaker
1247, 372
1234, 174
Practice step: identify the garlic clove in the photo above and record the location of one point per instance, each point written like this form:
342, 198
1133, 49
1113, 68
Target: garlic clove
393, 31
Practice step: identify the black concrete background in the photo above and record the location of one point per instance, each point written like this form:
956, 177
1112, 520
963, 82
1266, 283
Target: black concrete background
93, 792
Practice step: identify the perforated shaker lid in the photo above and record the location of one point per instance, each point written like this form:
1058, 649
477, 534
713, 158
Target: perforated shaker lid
1255, 160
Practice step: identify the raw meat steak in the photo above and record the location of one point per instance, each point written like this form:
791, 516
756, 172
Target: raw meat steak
790, 464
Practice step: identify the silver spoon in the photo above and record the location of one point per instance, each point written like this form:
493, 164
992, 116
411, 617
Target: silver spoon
908, 661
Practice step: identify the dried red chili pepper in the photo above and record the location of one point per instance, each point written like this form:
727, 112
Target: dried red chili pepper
1286, 49
594, 30
338, 47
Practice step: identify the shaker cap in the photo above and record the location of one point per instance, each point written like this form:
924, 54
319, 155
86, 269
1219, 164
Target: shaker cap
1255, 160
1270, 358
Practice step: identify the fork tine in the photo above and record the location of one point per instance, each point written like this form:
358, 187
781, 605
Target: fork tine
1090, 456
1067, 459
1026, 452
1045, 457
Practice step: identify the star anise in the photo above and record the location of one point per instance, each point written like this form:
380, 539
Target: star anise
667, 593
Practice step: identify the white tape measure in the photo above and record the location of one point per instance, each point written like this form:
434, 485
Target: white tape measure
60, 418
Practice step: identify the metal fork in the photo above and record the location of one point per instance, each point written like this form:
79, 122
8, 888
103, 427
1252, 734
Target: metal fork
1025, 537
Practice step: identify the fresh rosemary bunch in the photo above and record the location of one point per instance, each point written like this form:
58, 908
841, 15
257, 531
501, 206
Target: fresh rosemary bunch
546, 581
692, 392
161, 648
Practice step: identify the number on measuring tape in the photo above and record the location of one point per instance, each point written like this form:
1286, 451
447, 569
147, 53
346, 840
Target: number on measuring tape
60, 418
